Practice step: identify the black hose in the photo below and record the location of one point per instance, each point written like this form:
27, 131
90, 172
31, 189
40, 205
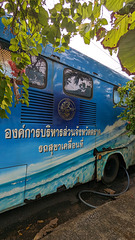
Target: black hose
104, 194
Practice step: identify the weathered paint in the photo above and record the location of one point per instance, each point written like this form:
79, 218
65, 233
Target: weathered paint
37, 158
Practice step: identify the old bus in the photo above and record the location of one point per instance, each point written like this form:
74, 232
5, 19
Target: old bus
69, 134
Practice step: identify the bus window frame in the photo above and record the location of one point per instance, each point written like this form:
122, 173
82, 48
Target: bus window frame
45, 76
73, 95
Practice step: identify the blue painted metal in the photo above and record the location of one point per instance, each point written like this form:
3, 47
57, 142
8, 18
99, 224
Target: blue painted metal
46, 151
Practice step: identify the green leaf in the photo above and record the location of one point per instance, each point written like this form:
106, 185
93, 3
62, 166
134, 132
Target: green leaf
24, 25
14, 48
26, 85
8, 110
26, 58
26, 79
4, 21
65, 45
26, 91
58, 7
3, 114
25, 96
51, 36
89, 9
65, 12
84, 10
44, 41
45, 30
57, 43
14, 41
62, 2
26, 102
62, 49
56, 49
34, 52
132, 26
104, 21
96, 10
120, 28
128, 8
53, 12
67, 38
39, 48
127, 52
8, 102
92, 33
43, 16
86, 38
114, 5
2, 12
24, 5
79, 9
77, 18
71, 27
3, 84
64, 23
9, 93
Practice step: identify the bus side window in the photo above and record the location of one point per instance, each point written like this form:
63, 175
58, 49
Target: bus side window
116, 97
36, 72
77, 84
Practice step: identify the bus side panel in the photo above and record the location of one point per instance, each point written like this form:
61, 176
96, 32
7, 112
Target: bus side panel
56, 151
12, 186
113, 131
65, 156
13, 167
51, 150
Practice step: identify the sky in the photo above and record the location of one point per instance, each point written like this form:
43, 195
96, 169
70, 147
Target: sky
97, 52
95, 49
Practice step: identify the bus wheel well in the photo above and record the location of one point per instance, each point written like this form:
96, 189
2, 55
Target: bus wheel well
121, 160
113, 167
121, 164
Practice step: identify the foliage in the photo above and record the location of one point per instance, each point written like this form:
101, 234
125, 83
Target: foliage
129, 113
34, 25
5, 95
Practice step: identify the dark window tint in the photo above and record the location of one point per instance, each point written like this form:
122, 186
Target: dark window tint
77, 84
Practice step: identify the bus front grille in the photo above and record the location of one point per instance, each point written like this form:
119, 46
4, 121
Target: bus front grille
87, 115
40, 110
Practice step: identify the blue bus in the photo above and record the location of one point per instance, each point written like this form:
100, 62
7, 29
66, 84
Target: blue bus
69, 134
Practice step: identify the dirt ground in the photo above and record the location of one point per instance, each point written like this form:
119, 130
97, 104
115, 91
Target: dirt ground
25, 222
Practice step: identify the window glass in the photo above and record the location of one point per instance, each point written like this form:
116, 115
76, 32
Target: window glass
36, 72
77, 84
117, 98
